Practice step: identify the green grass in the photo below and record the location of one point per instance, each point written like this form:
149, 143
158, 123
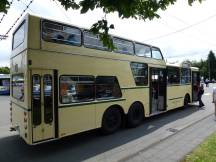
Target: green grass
205, 152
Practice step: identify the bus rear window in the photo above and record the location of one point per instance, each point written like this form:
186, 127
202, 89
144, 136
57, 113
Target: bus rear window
19, 35
18, 86
59, 33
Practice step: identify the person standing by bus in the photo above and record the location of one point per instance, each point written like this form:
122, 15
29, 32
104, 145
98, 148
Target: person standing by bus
200, 93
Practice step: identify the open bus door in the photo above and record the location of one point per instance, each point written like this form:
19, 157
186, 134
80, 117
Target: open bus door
157, 90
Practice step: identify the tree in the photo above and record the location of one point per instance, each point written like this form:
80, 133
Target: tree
4, 70
138, 9
211, 61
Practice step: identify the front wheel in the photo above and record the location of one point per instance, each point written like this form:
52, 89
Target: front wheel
112, 120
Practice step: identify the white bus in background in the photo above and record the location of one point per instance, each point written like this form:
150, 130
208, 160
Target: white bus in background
4, 84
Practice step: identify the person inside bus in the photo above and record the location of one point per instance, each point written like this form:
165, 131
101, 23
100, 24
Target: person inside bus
200, 93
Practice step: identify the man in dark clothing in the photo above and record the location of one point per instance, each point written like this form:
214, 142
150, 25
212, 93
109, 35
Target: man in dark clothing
200, 93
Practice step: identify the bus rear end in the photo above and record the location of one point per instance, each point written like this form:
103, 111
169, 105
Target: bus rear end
4, 84
19, 107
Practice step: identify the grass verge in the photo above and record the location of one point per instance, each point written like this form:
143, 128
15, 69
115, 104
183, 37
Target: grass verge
205, 152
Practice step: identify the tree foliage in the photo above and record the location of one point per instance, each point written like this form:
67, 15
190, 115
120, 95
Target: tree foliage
211, 61
4, 70
138, 9
206, 66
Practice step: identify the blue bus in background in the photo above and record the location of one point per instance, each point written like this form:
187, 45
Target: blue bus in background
4, 84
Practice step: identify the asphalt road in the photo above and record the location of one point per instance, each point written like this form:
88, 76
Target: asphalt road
4, 111
91, 145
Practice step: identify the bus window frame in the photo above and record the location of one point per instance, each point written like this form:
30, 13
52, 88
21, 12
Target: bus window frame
179, 78
24, 25
190, 72
108, 98
162, 58
71, 103
84, 45
144, 45
12, 94
147, 68
115, 51
63, 24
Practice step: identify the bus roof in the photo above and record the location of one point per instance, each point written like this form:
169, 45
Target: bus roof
83, 29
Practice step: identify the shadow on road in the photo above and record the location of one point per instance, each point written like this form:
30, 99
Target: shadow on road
85, 145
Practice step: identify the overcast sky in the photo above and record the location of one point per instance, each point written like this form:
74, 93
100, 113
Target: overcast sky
183, 32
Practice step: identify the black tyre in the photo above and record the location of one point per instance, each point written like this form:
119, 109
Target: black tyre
112, 120
186, 101
135, 115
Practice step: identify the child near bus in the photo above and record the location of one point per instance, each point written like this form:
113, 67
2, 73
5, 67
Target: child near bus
200, 93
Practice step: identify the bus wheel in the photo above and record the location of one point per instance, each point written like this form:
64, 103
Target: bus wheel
135, 115
186, 101
112, 120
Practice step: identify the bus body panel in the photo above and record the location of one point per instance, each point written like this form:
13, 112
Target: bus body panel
76, 119
176, 97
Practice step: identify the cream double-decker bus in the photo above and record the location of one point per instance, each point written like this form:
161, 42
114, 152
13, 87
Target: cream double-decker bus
64, 81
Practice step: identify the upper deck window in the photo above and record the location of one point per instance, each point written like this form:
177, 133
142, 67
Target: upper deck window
156, 54
19, 35
123, 46
59, 33
93, 41
142, 50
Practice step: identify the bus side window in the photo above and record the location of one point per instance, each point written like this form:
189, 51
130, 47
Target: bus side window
140, 73
123, 46
173, 75
142, 50
156, 54
107, 87
76, 89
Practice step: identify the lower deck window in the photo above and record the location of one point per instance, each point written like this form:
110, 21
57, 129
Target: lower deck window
76, 89
88, 88
107, 87
18, 86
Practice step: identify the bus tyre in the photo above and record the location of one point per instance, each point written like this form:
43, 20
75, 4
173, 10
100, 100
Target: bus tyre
186, 101
112, 120
135, 115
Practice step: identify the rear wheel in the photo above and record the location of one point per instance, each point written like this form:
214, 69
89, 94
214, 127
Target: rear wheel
112, 120
135, 115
